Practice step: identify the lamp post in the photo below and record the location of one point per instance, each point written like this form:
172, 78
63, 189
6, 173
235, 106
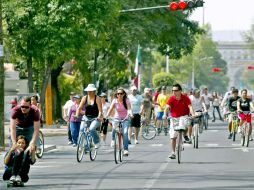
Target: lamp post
193, 69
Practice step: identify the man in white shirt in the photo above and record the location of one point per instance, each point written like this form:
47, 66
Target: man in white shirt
225, 100
136, 102
66, 110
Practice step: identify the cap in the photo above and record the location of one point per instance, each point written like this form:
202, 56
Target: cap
196, 90
133, 88
163, 88
77, 97
103, 94
72, 93
90, 87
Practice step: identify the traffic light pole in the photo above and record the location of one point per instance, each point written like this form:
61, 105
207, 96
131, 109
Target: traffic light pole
144, 8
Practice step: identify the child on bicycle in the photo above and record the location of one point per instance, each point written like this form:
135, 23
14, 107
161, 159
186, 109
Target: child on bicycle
17, 161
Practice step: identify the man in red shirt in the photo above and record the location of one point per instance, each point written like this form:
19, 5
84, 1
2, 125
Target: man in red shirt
25, 120
179, 105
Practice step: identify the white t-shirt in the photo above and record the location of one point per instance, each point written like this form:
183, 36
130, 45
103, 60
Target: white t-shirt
196, 103
135, 102
67, 106
206, 98
105, 108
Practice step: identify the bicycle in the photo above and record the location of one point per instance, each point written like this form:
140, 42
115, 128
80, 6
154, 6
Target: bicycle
40, 145
118, 140
148, 130
245, 132
234, 125
85, 141
180, 125
197, 128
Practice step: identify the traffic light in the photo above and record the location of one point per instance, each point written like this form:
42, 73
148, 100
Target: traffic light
250, 67
216, 70
185, 5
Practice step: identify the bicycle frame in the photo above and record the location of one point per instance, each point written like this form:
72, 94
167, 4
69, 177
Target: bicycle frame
246, 130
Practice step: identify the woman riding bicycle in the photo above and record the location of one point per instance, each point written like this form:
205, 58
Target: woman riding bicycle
93, 109
122, 107
244, 104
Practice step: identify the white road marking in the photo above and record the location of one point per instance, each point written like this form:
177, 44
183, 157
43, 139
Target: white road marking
212, 130
156, 145
149, 184
212, 145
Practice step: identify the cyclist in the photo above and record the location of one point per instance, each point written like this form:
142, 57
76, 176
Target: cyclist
17, 162
232, 107
244, 104
25, 120
93, 109
121, 106
136, 102
207, 97
147, 105
225, 100
198, 104
162, 102
179, 105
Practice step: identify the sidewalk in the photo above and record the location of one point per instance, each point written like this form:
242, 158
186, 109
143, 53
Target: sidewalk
47, 132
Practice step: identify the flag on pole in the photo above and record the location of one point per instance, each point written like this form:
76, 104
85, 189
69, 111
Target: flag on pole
137, 68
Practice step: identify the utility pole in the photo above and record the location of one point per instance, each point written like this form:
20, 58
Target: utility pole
1, 81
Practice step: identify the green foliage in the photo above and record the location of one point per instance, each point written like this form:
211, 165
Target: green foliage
163, 79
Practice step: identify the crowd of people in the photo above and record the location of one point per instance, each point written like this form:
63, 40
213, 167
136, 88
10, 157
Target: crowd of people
128, 105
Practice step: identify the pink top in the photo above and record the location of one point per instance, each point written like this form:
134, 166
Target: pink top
121, 112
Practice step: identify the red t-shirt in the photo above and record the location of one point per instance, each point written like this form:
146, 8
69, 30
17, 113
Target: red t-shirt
156, 94
21, 120
180, 107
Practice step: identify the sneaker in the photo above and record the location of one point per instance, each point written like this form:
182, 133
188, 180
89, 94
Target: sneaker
186, 139
112, 143
250, 139
13, 178
18, 178
74, 145
129, 142
70, 143
172, 156
125, 152
230, 135
136, 142
96, 146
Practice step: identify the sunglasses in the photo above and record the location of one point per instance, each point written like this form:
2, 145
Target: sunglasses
120, 93
175, 90
25, 107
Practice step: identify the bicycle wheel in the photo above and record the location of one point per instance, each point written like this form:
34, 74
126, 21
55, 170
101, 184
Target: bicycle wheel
81, 147
120, 147
234, 129
196, 131
148, 132
179, 147
242, 137
116, 148
247, 135
40, 145
93, 150
206, 121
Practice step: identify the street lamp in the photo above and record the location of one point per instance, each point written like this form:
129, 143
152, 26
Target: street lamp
193, 69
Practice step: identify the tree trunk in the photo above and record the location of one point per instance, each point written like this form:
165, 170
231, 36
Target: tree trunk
57, 108
1, 83
45, 83
30, 73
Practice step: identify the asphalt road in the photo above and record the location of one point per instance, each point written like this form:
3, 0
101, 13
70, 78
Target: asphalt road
219, 163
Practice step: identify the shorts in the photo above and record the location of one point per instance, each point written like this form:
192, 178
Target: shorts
173, 134
159, 115
135, 121
244, 117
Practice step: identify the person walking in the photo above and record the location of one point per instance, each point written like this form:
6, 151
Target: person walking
75, 121
136, 102
216, 106
66, 110
105, 123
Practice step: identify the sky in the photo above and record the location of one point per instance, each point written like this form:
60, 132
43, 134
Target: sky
226, 14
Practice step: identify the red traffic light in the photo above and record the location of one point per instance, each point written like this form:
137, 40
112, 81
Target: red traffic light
173, 6
182, 5
250, 67
216, 70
